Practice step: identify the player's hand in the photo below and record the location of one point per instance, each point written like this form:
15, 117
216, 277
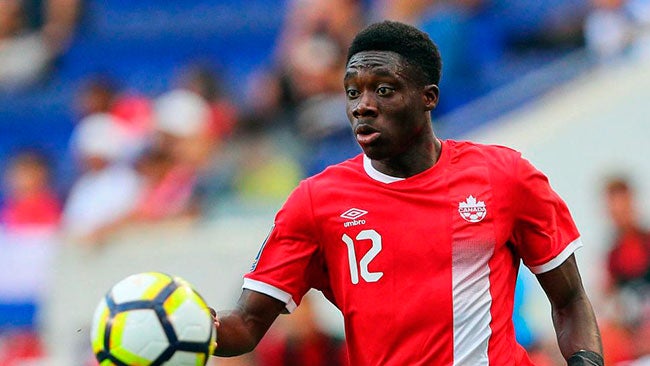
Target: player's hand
215, 321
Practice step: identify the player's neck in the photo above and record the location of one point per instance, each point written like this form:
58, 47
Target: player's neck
412, 162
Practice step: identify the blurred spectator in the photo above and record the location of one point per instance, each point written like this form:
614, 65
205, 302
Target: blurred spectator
206, 82
305, 87
164, 184
629, 256
629, 275
168, 191
29, 227
96, 94
23, 53
171, 167
108, 188
608, 29
640, 13
132, 111
298, 339
57, 24
313, 47
216, 175
28, 238
310, 55
614, 28
32, 35
182, 123
31, 202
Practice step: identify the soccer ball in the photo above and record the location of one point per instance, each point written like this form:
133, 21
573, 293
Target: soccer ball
151, 319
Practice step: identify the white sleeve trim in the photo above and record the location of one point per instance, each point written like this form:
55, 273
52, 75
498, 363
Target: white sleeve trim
559, 259
272, 291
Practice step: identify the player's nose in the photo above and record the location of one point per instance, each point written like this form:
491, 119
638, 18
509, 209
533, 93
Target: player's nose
365, 107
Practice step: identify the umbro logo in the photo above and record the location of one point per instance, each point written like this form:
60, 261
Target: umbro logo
353, 214
472, 210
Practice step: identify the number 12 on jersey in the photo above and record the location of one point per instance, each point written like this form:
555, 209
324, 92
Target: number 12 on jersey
367, 276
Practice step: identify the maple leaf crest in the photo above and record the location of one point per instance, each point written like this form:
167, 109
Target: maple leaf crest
471, 202
472, 210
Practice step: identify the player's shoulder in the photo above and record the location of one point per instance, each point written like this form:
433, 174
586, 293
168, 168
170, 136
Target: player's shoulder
338, 173
467, 145
318, 187
492, 154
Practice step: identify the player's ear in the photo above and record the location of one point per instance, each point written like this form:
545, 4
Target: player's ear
430, 95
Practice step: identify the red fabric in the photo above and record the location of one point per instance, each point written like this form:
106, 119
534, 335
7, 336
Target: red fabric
618, 343
319, 350
17, 348
223, 117
134, 114
629, 258
42, 208
412, 263
171, 196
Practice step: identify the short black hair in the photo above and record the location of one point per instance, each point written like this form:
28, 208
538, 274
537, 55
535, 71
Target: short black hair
415, 46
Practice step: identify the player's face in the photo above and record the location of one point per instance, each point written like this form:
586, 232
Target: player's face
387, 108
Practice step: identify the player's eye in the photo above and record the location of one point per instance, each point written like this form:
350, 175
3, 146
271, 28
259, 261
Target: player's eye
384, 91
352, 93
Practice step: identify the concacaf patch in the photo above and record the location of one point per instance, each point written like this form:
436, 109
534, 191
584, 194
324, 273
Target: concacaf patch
259, 253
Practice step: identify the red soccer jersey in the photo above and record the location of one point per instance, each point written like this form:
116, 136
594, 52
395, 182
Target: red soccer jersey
423, 268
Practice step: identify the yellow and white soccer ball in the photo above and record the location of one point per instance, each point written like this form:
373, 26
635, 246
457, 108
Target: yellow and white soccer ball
151, 319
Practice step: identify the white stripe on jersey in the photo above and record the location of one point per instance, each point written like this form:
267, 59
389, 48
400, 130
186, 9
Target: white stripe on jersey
471, 302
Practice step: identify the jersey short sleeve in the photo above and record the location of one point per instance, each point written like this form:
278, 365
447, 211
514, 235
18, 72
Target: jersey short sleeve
544, 234
288, 263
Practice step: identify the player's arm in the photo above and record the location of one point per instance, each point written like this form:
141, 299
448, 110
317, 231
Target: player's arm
239, 330
573, 317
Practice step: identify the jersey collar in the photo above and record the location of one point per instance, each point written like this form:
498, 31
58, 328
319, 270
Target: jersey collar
385, 178
376, 174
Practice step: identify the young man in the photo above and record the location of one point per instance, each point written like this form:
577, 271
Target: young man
417, 241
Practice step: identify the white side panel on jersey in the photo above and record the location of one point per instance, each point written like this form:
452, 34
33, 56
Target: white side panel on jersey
471, 302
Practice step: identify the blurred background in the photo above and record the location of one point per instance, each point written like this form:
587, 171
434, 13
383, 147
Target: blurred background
163, 135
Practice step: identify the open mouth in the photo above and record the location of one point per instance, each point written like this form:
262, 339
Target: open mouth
365, 134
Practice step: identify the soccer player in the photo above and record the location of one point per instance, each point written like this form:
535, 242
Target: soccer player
417, 240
